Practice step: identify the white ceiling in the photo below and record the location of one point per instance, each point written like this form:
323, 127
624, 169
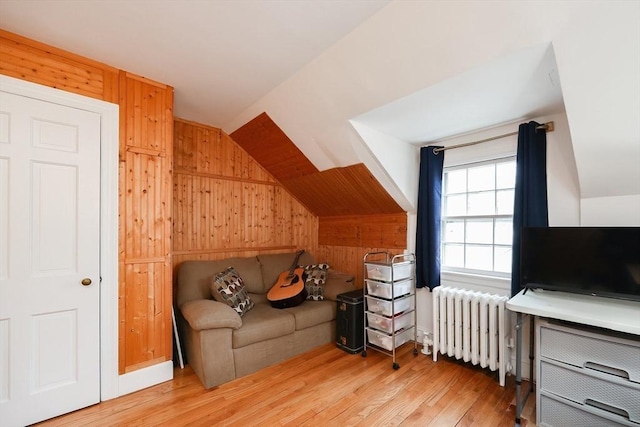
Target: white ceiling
520, 85
221, 56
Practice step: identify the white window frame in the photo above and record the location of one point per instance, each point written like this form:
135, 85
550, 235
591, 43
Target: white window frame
493, 245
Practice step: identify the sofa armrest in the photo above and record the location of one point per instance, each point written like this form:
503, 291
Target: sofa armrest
338, 283
204, 314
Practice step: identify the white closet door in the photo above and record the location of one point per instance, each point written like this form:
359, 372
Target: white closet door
49, 259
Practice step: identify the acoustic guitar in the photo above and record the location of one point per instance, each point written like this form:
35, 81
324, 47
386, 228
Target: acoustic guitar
289, 289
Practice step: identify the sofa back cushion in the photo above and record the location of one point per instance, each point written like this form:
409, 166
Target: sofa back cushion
274, 264
194, 277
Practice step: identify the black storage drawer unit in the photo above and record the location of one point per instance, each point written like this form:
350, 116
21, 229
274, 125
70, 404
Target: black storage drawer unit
350, 321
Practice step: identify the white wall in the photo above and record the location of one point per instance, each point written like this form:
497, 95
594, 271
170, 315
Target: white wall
392, 161
612, 210
598, 58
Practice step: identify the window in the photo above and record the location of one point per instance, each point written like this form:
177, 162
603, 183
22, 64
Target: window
477, 217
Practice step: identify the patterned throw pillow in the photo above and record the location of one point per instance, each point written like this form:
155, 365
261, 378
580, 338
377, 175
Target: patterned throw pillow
315, 279
228, 287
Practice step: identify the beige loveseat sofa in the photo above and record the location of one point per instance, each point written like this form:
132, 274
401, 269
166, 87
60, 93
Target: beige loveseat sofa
221, 346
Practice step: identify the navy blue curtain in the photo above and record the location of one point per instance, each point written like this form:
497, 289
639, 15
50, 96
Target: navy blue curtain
530, 205
429, 218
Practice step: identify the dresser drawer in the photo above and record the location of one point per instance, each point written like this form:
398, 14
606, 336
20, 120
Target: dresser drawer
558, 413
615, 355
593, 389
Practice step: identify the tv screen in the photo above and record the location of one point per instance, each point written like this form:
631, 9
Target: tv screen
599, 261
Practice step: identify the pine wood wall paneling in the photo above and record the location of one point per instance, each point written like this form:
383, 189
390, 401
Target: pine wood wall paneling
145, 108
185, 145
146, 207
387, 231
146, 112
349, 259
344, 240
226, 204
147, 315
36, 62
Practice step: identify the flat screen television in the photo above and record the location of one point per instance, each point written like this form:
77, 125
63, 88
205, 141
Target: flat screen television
599, 261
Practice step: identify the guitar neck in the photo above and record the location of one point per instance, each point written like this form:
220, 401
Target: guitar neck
295, 264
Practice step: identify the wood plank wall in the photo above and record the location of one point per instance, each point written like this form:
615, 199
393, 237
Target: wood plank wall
225, 204
146, 119
36, 62
145, 291
346, 239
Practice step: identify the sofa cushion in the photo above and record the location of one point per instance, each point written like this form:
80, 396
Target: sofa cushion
274, 264
194, 277
228, 287
337, 283
263, 322
315, 277
312, 313
250, 271
259, 298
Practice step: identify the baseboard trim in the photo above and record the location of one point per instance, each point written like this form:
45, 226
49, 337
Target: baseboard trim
146, 377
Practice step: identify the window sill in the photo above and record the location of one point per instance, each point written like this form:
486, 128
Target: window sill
476, 282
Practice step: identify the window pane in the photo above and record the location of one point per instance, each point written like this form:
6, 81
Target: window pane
479, 257
482, 178
504, 199
456, 181
504, 232
506, 175
456, 205
482, 203
477, 228
502, 259
453, 232
480, 231
453, 255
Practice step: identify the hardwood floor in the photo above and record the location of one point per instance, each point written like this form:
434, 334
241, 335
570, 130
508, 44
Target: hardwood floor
324, 387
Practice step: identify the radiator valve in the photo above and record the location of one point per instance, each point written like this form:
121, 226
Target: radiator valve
427, 344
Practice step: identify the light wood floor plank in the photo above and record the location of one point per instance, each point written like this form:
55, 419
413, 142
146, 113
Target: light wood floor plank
323, 387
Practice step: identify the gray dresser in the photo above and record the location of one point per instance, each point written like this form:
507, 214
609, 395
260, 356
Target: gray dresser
586, 377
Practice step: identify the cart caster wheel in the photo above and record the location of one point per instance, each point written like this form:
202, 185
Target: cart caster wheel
395, 366
364, 353
415, 351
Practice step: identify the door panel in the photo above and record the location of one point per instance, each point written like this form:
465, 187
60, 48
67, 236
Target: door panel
49, 222
54, 235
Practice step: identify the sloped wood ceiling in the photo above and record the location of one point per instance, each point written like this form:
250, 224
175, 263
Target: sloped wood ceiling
350, 190
269, 145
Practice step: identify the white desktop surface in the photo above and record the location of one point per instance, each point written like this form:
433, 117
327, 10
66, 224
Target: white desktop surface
615, 314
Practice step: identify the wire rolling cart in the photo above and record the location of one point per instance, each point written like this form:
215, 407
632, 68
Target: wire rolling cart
389, 302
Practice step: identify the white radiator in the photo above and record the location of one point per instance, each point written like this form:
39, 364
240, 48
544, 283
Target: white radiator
470, 325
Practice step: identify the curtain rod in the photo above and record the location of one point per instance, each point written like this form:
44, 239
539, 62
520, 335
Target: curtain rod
547, 127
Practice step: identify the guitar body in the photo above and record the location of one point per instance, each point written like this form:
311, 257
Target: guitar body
289, 289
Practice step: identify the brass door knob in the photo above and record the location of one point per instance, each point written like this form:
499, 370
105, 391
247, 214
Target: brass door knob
86, 281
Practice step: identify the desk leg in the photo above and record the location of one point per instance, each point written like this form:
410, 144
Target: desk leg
532, 341
518, 367
521, 400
